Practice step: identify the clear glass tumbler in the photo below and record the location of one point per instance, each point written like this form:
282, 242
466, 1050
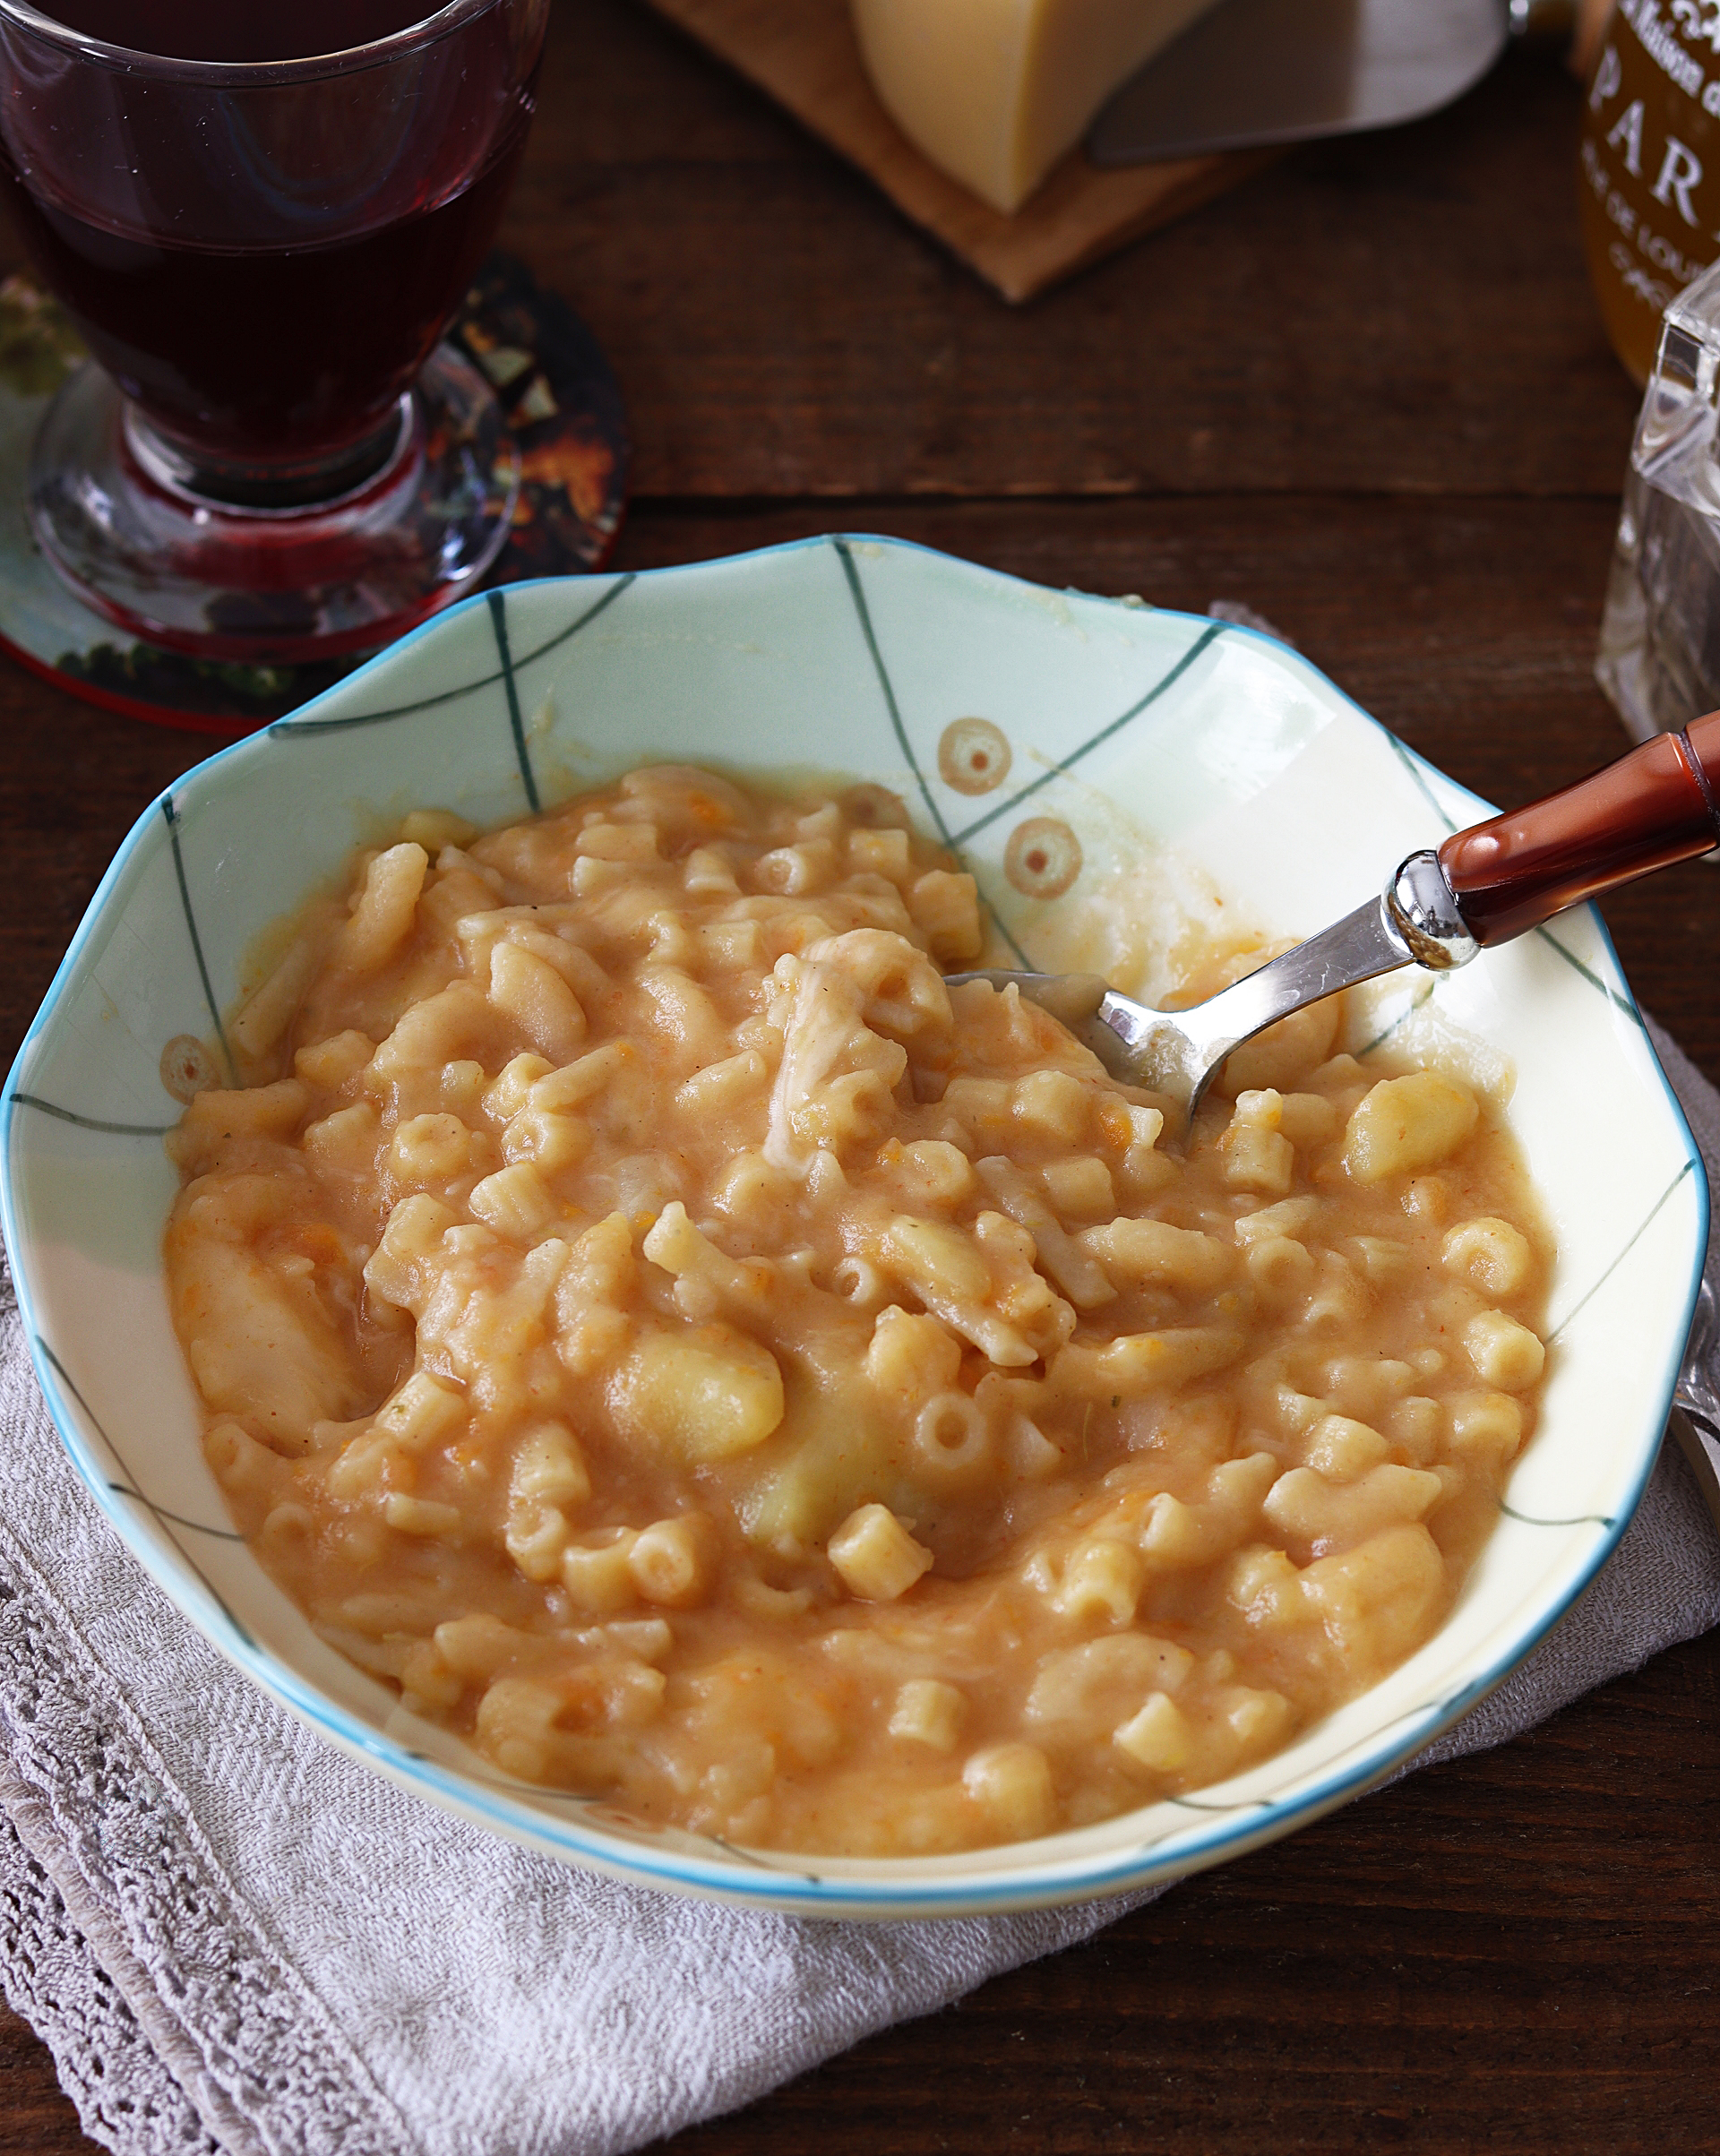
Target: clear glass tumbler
274, 458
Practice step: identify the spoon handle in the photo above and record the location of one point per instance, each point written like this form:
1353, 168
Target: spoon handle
1659, 805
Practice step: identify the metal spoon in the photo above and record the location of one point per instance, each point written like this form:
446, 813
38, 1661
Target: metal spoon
1255, 71
1484, 885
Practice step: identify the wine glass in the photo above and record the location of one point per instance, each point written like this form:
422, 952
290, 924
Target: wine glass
272, 458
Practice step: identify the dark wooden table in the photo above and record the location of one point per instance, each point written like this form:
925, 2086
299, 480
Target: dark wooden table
1368, 394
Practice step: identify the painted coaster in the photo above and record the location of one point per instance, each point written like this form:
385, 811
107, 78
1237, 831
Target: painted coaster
563, 408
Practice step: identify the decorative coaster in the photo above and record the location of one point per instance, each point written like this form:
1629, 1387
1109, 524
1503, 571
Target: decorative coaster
563, 408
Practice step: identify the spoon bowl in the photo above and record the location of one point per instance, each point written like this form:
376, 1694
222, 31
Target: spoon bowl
1485, 885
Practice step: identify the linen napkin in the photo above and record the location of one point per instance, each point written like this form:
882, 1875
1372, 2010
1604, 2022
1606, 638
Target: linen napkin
234, 1940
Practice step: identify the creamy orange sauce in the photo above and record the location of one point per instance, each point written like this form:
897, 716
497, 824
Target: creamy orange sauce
650, 1318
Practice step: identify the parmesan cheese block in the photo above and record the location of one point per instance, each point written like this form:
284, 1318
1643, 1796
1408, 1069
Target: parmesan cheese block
994, 91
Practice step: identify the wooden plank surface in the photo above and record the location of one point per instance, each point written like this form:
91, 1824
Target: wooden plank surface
803, 53
1403, 313
1365, 393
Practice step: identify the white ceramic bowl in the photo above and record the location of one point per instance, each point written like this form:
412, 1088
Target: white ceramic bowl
1124, 725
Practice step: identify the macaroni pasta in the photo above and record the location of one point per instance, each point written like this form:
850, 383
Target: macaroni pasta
652, 1321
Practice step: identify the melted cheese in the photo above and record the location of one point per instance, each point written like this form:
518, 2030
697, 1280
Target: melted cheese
994, 91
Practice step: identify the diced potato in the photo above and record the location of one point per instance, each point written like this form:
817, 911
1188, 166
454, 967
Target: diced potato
1283, 1052
843, 1453
1054, 1105
215, 1116
335, 1061
1307, 1119
1379, 1599
911, 1357
540, 1002
1011, 1784
1081, 1187
1406, 1124
702, 1395
261, 1345
1083, 1692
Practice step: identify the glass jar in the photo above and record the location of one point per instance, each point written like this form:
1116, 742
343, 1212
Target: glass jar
1659, 656
1650, 164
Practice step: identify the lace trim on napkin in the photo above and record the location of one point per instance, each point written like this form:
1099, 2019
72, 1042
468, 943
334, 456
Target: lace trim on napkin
124, 2096
230, 2019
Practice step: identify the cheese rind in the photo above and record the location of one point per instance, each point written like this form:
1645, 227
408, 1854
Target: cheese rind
994, 91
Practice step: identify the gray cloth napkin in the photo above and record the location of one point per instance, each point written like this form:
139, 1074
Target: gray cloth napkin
235, 1939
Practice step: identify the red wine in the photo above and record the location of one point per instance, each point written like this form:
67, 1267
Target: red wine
238, 29
266, 270
273, 352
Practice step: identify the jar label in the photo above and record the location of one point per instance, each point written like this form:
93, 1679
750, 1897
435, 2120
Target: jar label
1651, 165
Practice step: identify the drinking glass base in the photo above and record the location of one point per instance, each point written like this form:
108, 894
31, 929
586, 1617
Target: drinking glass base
274, 586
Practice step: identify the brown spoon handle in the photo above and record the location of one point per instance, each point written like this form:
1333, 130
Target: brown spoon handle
1657, 805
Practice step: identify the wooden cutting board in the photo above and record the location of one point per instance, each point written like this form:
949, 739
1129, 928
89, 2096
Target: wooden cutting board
803, 53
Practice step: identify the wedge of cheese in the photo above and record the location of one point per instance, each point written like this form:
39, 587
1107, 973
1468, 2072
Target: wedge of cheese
994, 91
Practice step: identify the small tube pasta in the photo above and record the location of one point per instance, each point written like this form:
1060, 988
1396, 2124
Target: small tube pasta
875, 1557
713, 1364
